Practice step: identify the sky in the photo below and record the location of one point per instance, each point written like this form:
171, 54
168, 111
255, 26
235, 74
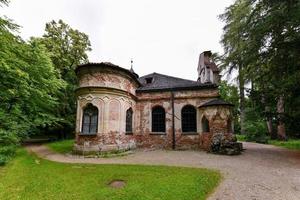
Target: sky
163, 36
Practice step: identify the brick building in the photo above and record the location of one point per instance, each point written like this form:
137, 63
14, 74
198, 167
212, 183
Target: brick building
117, 109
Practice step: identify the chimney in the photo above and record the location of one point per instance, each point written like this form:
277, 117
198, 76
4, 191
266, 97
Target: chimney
208, 72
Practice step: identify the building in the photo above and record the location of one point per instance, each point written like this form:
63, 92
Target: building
117, 110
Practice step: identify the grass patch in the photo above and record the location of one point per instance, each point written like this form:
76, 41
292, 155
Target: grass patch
63, 146
241, 137
290, 144
29, 177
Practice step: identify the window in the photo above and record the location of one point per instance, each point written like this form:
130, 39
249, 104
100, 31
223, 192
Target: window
129, 115
149, 80
189, 119
158, 119
205, 124
90, 120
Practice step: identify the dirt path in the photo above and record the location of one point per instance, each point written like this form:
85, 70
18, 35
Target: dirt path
262, 172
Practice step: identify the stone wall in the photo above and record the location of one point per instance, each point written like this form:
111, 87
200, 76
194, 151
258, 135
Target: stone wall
97, 77
145, 103
218, 116
114, 92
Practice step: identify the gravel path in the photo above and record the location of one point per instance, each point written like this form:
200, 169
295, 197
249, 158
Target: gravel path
262, 172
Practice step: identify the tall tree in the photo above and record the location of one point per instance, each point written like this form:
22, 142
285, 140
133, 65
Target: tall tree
68, 48
234, 40
263, 37
28, 88
274, 30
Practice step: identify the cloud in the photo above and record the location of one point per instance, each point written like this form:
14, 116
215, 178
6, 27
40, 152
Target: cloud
162, 36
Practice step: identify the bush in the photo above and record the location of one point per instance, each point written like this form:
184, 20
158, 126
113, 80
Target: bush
256, 131
8, 145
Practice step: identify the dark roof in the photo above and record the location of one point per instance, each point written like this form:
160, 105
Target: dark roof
168, 83
103, 65
215, 102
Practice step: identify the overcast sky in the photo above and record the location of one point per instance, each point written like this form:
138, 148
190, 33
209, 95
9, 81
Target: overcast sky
163, 36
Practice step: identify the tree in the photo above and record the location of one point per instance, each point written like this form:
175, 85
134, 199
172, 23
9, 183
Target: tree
275, 37
230, 94
234, 40
68, 48
28, 89
263, 37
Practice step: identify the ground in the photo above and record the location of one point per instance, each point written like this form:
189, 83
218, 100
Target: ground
30, 177
261, 172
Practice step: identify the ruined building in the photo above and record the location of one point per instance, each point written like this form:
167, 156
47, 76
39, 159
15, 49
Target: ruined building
118, 110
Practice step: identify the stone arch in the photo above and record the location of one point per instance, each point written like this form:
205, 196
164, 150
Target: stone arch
205, 124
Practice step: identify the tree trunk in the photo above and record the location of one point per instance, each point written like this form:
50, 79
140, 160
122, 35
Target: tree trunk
281, 125
268, 117
242, 102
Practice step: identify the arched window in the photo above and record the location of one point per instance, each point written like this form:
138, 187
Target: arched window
90, 120
229, 126
129, 115
158, 119
205, 124
189, 119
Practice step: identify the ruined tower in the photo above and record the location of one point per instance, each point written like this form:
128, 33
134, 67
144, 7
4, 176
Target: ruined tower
208, 71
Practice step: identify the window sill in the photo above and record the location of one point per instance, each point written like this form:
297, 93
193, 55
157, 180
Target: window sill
158, 133
129, 133
190, 133
85, 134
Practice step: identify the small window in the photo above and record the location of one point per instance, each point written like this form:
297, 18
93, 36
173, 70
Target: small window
90, 120
158, 119
129, 115
205, 124
189, 119
149, 80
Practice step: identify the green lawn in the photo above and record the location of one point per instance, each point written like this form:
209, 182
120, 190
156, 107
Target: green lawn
29, 177
63, 146
289, 144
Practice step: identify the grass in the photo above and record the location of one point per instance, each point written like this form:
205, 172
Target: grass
29, 177
240, 137
63, 146
289, 144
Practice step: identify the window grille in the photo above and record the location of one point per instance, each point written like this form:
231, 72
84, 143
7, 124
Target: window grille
90, 120
158, 119
129, 115
189, 119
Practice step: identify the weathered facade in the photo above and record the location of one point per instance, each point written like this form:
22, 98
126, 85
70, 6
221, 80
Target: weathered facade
116, 110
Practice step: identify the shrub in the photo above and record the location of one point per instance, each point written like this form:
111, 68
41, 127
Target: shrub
256, 131
8, 145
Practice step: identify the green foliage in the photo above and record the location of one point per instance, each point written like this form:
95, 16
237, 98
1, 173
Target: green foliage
261, 39
29, 177
240, 137
230, 94
256, 132
67, 48
28, 90
8, 141
64, 146
289, 144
